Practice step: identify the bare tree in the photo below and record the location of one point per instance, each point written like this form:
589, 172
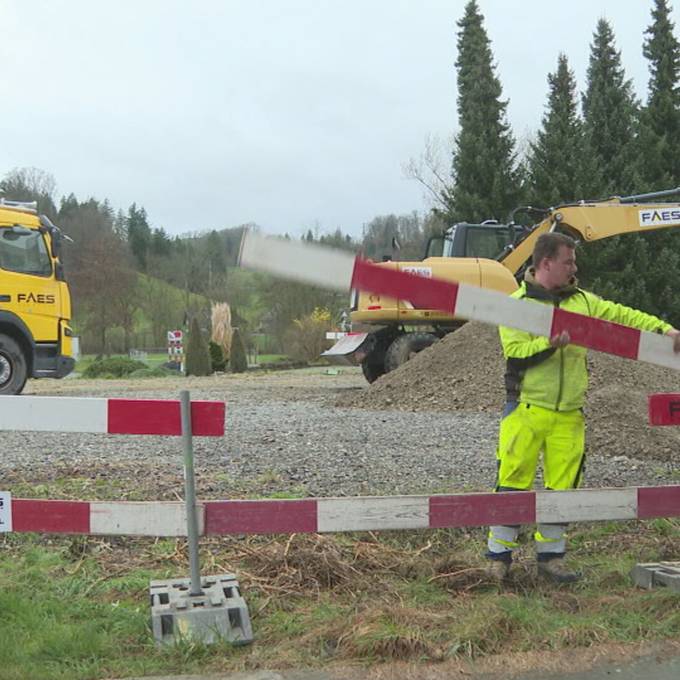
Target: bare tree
432, 170
31, 184
125, 301
32, 180
163, 306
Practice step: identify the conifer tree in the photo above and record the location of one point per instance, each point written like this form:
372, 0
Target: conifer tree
139, 235
610, 116
643, 270
659, 159
238, 360
198, 356
485, 178
558, 168
660, 120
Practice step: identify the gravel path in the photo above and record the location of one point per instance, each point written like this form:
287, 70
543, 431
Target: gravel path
284, 434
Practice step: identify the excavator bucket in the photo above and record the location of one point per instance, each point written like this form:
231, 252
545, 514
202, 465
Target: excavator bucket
349, 350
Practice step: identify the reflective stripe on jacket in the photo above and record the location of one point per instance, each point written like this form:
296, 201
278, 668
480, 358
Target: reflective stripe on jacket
558, 378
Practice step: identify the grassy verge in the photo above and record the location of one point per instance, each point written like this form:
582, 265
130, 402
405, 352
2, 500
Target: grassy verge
77, 607
271, 358
152, 360
159, 359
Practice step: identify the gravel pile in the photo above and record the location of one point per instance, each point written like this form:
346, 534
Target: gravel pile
284, 435
464, 372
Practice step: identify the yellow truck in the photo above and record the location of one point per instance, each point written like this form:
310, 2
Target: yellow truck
387, 332
35, 304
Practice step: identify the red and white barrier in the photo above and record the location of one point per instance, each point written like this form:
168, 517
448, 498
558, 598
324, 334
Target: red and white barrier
664, 409
338, 270
324, 515
100, 518
127, 416
112, 416
480, 304
362, 513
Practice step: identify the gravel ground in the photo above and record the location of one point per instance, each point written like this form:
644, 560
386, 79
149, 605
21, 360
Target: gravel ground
285, 435
463, 373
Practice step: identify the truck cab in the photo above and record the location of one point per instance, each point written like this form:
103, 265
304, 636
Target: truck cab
35, 303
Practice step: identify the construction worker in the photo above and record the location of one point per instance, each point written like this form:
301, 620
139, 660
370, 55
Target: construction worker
546, 382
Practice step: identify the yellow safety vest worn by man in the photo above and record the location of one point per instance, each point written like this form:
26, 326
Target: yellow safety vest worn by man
546, 382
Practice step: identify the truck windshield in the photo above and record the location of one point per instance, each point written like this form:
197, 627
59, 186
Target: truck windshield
23, 250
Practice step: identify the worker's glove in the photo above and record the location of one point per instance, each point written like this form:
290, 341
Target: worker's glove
560, 340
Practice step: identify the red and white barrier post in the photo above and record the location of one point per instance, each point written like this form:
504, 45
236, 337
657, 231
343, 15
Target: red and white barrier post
190, 494
5, 512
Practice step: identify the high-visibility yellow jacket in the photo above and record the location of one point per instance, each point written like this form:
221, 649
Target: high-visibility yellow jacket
558, 378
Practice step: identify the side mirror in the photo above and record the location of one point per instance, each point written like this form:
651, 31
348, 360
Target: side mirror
55, 238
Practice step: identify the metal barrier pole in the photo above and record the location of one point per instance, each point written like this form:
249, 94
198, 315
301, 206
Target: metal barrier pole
190, 493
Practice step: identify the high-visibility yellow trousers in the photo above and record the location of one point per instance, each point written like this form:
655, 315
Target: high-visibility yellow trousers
525, 432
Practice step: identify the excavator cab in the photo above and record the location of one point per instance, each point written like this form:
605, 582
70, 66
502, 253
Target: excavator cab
488, 240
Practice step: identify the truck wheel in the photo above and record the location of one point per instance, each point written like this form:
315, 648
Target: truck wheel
13, 369
371, 370
405, 346
373, 365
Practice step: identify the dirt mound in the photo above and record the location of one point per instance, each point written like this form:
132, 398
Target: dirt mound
464, 372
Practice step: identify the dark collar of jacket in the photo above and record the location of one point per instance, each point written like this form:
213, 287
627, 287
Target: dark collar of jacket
535, 290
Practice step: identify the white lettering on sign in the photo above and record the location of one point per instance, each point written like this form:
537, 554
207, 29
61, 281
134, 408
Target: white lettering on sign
425, 272
5, 511
659, 218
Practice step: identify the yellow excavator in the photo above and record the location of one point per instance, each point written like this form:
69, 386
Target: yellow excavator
386, 332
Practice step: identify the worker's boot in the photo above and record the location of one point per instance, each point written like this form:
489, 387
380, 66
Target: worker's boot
498, 570
556, 571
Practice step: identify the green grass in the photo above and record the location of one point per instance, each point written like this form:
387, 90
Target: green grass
271, 358
54, 623
158, 359
77, 607
63, 617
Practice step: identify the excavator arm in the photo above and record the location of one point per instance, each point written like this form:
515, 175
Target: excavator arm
600, 219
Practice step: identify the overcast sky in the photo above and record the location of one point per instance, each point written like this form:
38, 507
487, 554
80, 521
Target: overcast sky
288, 113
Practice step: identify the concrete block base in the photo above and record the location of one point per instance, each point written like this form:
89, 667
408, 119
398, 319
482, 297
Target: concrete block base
654, 574
220, 613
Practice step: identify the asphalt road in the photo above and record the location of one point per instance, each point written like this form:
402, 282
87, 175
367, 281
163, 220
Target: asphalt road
645, 668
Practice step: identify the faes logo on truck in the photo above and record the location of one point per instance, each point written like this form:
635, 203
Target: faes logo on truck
38, 298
